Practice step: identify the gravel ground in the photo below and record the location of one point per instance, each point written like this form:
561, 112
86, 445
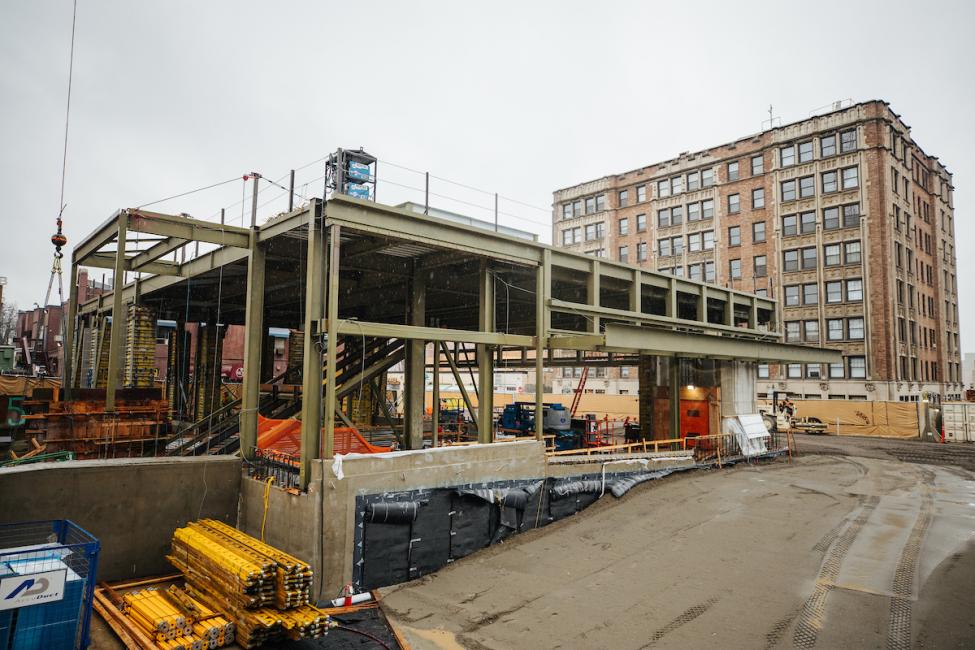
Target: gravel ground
849, 546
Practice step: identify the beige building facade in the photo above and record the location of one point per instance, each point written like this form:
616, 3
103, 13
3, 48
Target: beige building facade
841, 217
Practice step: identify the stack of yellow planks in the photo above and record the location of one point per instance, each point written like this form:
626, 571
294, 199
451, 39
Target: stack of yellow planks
264, 590
176, 620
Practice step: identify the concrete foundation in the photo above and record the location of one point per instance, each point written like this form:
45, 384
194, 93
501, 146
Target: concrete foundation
131, 506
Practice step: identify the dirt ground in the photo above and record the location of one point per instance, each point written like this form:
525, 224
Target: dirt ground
850, 546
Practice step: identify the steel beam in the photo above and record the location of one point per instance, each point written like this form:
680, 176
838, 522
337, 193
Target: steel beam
93, 242
460, 380
154, 252
412, 332
255, 334
107, 261
165, 225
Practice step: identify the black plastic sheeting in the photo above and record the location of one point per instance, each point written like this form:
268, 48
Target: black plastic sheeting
401, 536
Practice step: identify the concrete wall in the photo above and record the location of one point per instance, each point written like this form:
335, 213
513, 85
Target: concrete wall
443, 467
294, 520
132, 506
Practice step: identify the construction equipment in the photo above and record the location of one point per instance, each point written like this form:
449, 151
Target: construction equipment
782, 417
518, 418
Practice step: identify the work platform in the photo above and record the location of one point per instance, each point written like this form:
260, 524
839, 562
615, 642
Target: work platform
357, 276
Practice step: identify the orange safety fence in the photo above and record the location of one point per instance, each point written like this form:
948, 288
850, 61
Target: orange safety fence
285, 436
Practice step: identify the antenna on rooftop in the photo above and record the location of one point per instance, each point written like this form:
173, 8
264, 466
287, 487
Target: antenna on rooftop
772, 121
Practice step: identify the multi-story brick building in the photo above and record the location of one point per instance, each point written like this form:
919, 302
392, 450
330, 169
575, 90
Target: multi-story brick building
840, 217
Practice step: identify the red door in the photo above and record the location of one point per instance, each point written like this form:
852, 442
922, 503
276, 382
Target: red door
693, 418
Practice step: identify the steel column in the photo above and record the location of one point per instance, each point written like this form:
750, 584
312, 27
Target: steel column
68, 345
415, 375
116, 347
311, 386
255, 334
485, 359
540, 334
435, 410
331, 320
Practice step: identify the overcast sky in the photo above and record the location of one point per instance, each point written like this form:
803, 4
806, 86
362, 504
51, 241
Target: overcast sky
518, 98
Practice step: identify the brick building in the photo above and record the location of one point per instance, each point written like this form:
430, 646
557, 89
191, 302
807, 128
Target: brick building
840, 217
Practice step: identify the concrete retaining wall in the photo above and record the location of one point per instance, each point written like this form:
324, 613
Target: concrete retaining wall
132, 506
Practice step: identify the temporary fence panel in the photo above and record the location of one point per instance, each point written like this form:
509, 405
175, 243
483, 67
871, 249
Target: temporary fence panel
879, 419
47, 578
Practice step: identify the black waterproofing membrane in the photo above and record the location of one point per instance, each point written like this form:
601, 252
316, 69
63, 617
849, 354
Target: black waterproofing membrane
401, 536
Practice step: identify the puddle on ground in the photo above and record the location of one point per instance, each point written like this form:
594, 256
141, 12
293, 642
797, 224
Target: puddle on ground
440, 638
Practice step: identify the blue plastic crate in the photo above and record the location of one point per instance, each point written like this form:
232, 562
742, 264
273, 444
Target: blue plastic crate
59, 550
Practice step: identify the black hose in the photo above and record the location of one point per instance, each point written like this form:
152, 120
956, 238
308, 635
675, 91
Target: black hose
365, 634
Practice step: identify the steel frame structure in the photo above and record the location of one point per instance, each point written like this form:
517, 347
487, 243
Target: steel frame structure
353, 268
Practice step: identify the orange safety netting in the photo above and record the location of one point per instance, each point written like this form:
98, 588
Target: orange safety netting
285, 436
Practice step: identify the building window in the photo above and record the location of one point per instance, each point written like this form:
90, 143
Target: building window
787, 156
851, 215
851, 252
760, 266
851, 178
624, 197
809, 257
834, 329
854, 290
733, 171
707, 177
792, 331
709, 241
830, 182
858, 367
693, 181
788, 190
792, 295
790, 225
707, 209
663, 188
807, 222
848, 141
734, 204
641, 193
641, 222
663, 218
758, 165
694, 242
571, 236
663, 247
758, 197
709, 272
695, 272
836, 371
676, 215
827, 145
624, 254
734, 236
678, 271
811, 330
641, 251
577, 208
831, 218
624, 226
814, 371
831, 254
758, 232
810, 294
763, 371
693, 212
805, 152
567, 211
834, 292
794, 371
590, 204
762, 292
600, 203
595, 231
734, 269
677, 184
790, 260
677, 243
807, 187
855, 328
